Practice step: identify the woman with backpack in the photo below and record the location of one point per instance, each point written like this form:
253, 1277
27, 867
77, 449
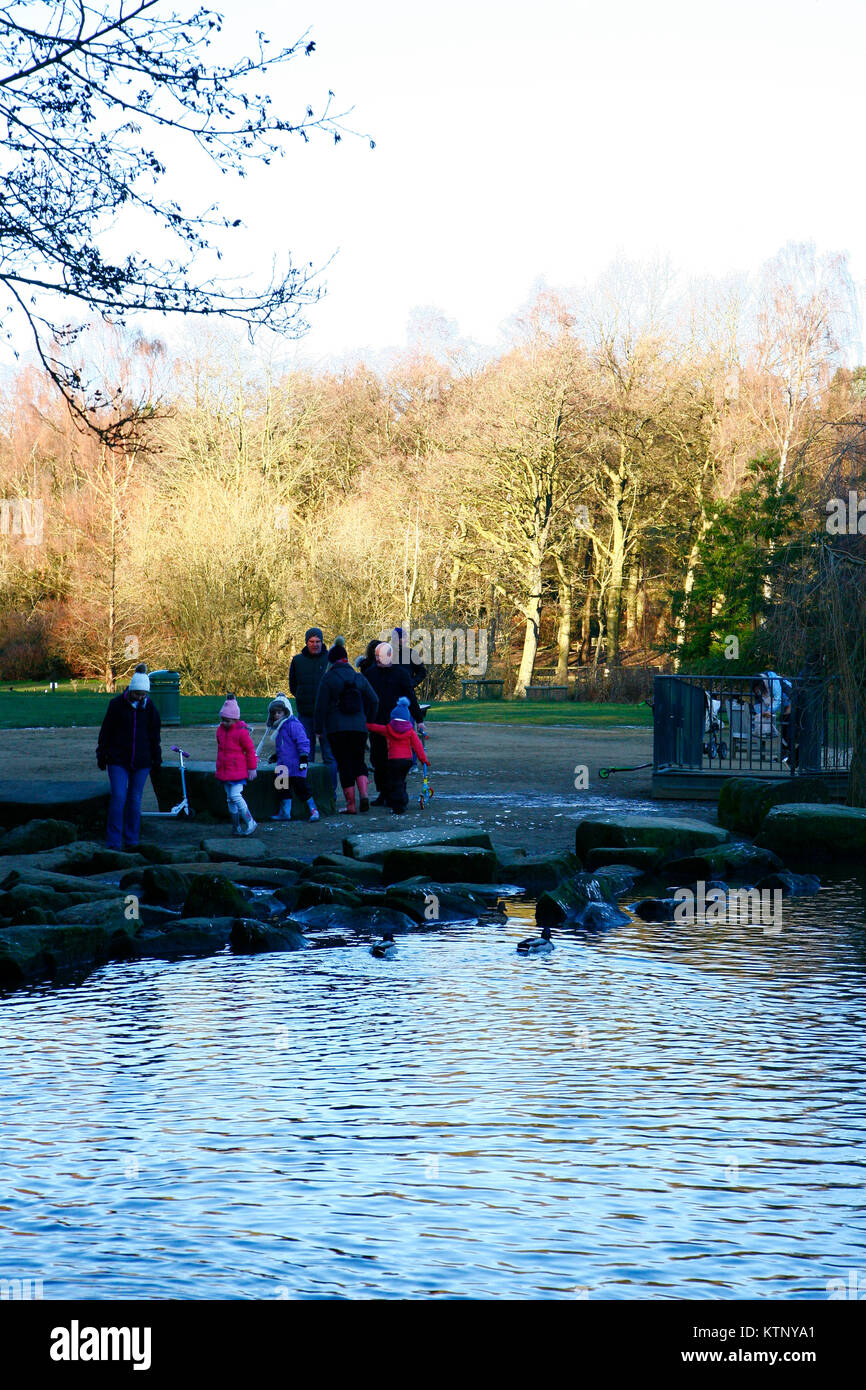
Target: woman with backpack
345, 702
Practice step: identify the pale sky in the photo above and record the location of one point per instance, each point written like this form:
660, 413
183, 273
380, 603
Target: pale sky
518, 141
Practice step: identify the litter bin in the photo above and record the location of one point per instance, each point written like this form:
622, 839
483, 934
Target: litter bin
165, 693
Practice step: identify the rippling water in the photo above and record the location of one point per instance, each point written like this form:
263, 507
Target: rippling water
658, 1112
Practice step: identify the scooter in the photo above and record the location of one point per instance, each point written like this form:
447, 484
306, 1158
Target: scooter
426, 793
183, 807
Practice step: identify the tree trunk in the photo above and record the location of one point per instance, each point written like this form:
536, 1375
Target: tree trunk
563, 640
532, 614
631, 628
586, 617
613, 606
691, 567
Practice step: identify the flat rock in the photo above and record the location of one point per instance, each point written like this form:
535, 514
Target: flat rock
814, 833
447, 863
672, 834
359, 871
207, 795
745, 802
26, 799
734, 860
250, 875
791, 885
375, 843
61, 883
110, 912
537, 872
644, 858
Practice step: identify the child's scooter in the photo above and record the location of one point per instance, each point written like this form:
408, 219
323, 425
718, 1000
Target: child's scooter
183, 807
426, 793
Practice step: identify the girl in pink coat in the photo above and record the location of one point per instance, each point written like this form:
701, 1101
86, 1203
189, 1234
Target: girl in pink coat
235, 764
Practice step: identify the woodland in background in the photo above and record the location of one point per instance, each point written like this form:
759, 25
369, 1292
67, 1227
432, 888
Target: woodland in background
639, 475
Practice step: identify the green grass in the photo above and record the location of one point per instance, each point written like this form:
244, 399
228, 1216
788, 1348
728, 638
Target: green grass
28, 707
564, 712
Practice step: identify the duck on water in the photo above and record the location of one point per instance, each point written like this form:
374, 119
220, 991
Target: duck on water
536, 945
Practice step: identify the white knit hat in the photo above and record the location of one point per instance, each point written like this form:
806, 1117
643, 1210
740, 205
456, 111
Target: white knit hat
140, 681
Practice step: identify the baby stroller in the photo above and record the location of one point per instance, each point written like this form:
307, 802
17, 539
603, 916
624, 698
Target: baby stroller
714, 744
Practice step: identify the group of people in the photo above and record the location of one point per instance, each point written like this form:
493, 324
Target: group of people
339, 705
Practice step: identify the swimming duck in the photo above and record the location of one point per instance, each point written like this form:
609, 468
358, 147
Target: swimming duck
536, 945
386, 948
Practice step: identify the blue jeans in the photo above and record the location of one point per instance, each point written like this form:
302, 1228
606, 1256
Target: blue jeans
327, 753
124, 808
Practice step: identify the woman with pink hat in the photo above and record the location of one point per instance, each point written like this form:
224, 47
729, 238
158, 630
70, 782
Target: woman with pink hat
236, 764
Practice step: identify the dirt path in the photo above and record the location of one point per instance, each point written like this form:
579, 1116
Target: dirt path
517, 782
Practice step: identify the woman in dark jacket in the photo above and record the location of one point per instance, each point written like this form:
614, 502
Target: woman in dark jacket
389, 682
128, 747
343, 710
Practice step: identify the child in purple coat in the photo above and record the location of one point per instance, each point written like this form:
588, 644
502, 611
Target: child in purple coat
292, 757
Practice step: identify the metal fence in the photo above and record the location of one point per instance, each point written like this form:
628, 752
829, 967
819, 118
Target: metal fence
780, 725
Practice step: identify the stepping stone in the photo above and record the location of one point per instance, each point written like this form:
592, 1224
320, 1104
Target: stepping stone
26, 799
375, 844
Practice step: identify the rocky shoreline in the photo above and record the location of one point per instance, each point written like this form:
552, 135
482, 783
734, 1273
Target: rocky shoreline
69, 905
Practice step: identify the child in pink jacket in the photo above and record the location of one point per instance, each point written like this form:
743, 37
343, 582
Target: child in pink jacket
402, 740
235, 764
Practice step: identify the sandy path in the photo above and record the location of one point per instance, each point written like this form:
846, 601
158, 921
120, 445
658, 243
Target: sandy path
518, 782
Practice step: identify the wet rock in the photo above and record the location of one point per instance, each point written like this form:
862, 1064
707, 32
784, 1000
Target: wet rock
36, 835
209, 895
201, 936
601, 916
73, 859
672, 834
62, 883
249, 938
287, 895
447, 863
163, 885
536, 872
108, 912
646, 858
23, 914
434, 903
25, 895
158, 854
655, 909
791, 885
745, 802
363, 872
815, 835
250, 875
736, 860
311, 894
567, 902
43, 951
363, 920
373, 845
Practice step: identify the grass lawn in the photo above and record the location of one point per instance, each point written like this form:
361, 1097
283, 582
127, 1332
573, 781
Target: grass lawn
28, 707
564, 712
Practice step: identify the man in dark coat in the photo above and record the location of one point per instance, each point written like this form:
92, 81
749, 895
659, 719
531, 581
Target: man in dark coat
344, 707
305, 677
128, 747
389, 681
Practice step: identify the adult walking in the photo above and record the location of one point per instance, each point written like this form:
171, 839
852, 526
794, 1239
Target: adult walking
390, 682
306, 673
128, 748
404, 656
345, 703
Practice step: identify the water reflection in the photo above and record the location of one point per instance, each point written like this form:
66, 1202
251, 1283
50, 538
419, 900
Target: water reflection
656, 1111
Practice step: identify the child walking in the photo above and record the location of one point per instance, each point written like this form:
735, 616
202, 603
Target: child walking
292, 757
235, 764
402, 741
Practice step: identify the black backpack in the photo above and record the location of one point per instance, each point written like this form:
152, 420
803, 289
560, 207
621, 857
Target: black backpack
350, 701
